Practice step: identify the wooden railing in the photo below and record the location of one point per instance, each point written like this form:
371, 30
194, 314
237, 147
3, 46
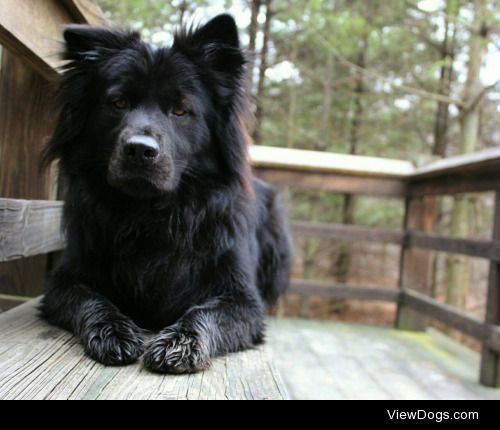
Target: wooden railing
30, 30
30, 43
419, 188
30, 228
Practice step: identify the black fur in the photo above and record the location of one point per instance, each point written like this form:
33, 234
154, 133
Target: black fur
175, 237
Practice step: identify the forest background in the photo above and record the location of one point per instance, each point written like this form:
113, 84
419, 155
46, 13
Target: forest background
405, 79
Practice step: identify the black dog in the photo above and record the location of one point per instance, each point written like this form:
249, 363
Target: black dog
166, 228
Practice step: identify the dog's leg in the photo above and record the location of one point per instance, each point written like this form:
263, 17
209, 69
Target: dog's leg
106, 335
221, 326
231, 321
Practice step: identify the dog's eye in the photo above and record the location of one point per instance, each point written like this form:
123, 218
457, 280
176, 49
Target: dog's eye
179, 112
120, 103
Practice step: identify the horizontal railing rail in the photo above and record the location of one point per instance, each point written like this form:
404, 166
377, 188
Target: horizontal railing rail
29, 228
485, 249
447, 315
344, 292
479, 172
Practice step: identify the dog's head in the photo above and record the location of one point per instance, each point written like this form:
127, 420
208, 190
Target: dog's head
144, 119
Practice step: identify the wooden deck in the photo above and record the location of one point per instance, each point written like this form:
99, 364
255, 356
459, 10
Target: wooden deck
38, 361
323, 360
317, 360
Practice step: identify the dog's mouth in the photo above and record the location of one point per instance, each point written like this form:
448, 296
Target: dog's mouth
138, 187
141, 182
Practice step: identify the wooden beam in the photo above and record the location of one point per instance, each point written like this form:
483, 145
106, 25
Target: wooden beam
469, 164
29, 228
446, 314
8, 302
333, 291
490, 358
31, 29
327, 162
415, 269
472, 248
337, 183
479, 172
349, 233
26, 121
453, 184
86, 12
454, 318
411, 239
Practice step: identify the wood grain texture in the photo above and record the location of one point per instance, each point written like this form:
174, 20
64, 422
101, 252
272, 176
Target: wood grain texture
85, 11
347, 292
38, 361
335, 361
477, 163
415, 269
474, 248
489, 250
29, 228
333, 182
348, 174
453, 184
490, 362
25, 125
8, 302
327, 162
350, 233
31, 29
452, 317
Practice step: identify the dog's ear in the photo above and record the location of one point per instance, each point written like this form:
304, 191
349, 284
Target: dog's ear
221, 29
217, 43
89, 43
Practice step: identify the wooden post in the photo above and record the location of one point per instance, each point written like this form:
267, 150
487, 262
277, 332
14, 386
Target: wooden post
490, 359
416, 266
24, 126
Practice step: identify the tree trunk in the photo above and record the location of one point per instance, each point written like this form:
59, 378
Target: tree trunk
292, 107
448, 48
343, 263
441, 128
326, 125
259, 112
458, 268
252, 34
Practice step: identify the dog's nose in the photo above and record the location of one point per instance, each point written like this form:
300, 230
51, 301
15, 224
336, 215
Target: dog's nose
142, 149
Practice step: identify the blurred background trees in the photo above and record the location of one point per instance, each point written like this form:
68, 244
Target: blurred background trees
409, 79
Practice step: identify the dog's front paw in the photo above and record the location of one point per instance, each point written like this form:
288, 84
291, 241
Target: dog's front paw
176, 351
115, 342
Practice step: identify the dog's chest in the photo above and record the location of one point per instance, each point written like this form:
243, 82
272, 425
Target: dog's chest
152, 282
155, 272
155, 292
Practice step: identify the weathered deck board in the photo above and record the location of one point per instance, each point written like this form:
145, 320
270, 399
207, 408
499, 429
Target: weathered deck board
317, 360
38, 361
324, 360
29, 228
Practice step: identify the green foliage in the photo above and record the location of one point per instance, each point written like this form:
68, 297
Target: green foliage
151, 16
323, 41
